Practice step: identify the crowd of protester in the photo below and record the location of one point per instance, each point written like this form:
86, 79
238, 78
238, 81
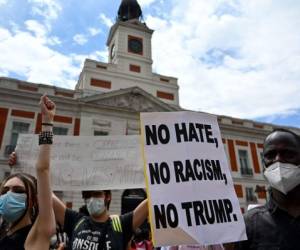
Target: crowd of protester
33, 218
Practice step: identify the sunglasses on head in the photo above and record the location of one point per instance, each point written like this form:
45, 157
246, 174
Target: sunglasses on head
14, 189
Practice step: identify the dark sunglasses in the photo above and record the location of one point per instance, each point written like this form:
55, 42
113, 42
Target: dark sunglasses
14, 189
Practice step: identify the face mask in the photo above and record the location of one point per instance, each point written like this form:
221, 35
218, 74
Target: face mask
12, 206
283, 176
96, 206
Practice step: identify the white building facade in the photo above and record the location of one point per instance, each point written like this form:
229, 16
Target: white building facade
108, 99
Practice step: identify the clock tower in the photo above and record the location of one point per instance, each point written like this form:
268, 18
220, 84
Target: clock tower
129, 61
129, 40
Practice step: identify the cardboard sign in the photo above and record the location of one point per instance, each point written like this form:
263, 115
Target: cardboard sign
192, 197
87, 162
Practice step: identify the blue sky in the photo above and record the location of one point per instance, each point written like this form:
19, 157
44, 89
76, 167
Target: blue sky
232, 57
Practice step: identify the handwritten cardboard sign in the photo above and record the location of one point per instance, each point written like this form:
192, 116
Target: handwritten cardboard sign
87, 162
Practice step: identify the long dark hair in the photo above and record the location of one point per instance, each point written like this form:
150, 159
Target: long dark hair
30, 184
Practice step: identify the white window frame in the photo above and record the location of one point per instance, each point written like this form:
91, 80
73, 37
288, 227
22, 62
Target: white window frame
248, 170
64, 125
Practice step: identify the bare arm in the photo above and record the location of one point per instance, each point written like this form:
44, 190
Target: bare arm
140, 214
44, 226
59, 210
58, 206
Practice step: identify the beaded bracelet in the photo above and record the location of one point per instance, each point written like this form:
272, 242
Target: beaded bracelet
46, 137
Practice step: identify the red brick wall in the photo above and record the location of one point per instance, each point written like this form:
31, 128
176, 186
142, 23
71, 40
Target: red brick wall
3, 118
232, 156
22, 113
165, 95
255, 158
239, 190
77, 126
135, 68
100, 83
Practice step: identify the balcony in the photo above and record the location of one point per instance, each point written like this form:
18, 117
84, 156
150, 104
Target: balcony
247, 171
9, 149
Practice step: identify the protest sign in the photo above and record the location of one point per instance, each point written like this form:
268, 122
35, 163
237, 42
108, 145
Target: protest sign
192, 197
87, 162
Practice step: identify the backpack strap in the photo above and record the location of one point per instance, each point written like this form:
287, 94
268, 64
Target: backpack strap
116, 223
79, 223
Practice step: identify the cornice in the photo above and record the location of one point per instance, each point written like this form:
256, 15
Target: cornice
138, 26
124, 76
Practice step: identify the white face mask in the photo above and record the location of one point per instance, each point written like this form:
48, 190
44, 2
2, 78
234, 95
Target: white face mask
95, 206
283, 176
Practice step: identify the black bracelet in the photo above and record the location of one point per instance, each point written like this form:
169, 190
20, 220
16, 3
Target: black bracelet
47, 124
46, 137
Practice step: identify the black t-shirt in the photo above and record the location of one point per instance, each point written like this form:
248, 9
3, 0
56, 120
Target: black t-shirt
16, 240
269, 227
86, 233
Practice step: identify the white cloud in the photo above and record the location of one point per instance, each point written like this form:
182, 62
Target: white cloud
4, 34
3, 2
49, 9
80, 39
54, 40
37, 28
94, 31
241, 59
232, 57
145, 3
41, 32
37, 63
105, 20
4, 73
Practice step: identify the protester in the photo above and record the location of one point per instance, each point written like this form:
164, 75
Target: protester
276, 225
141, 239
99, 230
86, 195
30, 226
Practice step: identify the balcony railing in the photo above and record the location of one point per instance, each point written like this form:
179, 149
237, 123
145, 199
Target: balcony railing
9, 149
247, 171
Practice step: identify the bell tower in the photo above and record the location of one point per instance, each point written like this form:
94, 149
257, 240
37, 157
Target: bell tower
129, 40
130, 60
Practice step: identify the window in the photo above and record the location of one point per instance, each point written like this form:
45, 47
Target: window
100, 133
17, 128
244, 163
262, 159
60, 131
250, 197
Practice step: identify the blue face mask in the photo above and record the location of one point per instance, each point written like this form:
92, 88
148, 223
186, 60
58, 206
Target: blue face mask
96, 206
12, 206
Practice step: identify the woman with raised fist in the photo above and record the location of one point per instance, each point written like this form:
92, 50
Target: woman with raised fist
25, 202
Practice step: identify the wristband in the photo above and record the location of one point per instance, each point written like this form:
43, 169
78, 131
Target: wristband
46, 137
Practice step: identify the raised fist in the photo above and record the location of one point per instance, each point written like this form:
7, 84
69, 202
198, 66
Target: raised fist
47, 109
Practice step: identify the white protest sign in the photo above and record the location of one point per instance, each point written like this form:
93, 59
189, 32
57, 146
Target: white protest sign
87, 162
192, 198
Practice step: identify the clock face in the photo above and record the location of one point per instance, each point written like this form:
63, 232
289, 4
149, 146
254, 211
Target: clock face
113, 51
135, 45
